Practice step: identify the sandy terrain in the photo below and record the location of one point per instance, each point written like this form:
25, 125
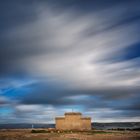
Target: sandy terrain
25, 134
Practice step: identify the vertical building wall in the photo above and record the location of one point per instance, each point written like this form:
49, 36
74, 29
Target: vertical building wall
86, 123
73, 121
60, 123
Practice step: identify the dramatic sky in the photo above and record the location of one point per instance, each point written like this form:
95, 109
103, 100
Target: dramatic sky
59, 55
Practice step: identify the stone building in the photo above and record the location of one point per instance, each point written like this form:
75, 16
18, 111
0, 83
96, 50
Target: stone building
73, 121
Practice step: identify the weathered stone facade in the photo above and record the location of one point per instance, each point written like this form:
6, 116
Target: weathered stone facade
73, 121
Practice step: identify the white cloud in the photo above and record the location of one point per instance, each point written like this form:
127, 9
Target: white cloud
79, 59
75, 49
109, 115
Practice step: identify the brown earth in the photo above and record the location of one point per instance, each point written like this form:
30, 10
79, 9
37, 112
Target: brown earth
25, 134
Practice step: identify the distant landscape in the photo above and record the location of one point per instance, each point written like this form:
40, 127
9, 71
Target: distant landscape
98, 126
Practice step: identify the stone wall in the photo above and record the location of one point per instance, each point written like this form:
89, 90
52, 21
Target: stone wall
73, 121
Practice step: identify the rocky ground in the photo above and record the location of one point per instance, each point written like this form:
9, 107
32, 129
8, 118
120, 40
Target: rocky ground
26, 134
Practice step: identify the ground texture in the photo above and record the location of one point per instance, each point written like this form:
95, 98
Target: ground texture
26, 134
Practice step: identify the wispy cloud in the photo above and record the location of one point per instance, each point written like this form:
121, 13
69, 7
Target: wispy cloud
72, 56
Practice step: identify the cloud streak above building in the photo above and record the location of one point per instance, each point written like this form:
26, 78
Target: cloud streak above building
56, 56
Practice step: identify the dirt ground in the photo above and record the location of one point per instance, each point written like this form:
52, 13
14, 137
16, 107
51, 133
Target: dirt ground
25, 134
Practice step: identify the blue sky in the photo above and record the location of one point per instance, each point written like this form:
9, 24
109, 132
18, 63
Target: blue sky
58, 55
